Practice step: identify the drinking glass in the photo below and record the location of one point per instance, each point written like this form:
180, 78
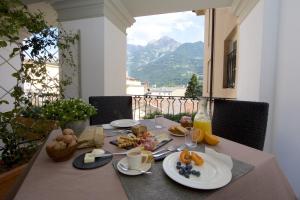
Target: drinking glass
157, 120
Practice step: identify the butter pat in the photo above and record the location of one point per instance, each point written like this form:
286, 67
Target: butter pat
89, 158
97, 152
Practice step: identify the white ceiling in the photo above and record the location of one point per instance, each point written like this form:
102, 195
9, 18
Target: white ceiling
151, 7
127, 9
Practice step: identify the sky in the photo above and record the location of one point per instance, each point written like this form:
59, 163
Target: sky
183, 27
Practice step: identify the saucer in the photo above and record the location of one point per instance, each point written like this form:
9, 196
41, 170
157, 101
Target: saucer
144, 167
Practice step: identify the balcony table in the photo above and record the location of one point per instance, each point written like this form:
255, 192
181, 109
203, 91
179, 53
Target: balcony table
60, 181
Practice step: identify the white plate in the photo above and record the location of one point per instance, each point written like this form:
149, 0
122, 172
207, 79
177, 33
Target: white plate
107, 127
177, 135
214, 173
124, 123
144, 167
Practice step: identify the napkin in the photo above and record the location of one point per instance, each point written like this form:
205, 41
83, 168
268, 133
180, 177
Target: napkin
226, 159
92, 136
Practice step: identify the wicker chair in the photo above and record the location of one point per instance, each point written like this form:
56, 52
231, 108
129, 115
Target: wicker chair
241, 121
110, 108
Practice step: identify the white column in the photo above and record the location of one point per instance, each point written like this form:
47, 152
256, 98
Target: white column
90, 55
115, 49
102, 46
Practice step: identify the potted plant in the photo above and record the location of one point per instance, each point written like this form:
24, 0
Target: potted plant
15, 153
37, 127
71, 113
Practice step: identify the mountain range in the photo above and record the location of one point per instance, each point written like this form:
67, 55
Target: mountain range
165, 62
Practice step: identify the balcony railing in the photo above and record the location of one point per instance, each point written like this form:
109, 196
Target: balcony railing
144, 105
147, 105
39, 99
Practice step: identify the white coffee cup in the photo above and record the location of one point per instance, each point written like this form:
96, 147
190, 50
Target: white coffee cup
134, 159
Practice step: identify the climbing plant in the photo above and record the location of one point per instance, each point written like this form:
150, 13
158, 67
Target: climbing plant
35, 52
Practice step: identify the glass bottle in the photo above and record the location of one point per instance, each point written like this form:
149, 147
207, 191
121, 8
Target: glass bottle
202, 119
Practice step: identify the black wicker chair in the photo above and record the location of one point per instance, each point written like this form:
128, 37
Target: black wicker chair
241, 121
110, 108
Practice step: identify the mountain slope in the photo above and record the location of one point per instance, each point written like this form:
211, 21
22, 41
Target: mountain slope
139, 55
173, 65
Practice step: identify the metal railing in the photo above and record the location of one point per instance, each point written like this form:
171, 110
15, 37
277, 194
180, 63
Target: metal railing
230, 70
145, 105
39, 99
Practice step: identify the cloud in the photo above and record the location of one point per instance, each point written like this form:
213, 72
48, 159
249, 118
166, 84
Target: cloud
175, 25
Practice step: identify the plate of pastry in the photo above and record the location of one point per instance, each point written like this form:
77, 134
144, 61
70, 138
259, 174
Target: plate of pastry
177, 130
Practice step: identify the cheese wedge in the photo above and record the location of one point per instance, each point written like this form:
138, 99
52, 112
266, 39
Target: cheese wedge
89, 158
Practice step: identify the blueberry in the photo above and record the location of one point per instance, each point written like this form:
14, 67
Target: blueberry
181, 172
194, 172
178, 167
186, 176
178, 163
197, 174
188, 168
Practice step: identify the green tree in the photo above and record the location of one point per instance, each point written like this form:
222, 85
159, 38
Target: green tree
194, 88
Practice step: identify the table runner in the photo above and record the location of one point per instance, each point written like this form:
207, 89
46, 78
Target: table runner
159, 186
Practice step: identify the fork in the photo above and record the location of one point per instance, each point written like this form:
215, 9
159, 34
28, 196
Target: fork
169, 148
126, 169
180, 148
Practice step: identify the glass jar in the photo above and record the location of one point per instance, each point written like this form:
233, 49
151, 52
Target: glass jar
202, 119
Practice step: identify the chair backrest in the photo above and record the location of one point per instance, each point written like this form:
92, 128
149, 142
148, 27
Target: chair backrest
241, 121
110, 108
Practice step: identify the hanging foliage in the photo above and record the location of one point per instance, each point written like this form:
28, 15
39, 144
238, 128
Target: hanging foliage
35, 51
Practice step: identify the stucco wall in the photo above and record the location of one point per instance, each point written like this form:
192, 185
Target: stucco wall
225, 23
250, 54
287, 109
269, 71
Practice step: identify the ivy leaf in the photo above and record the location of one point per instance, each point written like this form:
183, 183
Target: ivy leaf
2, 44
3, 102
14, 52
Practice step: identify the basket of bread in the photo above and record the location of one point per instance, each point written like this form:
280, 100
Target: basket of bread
63, 146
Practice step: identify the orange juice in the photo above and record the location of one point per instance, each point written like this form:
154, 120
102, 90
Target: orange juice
203, 126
